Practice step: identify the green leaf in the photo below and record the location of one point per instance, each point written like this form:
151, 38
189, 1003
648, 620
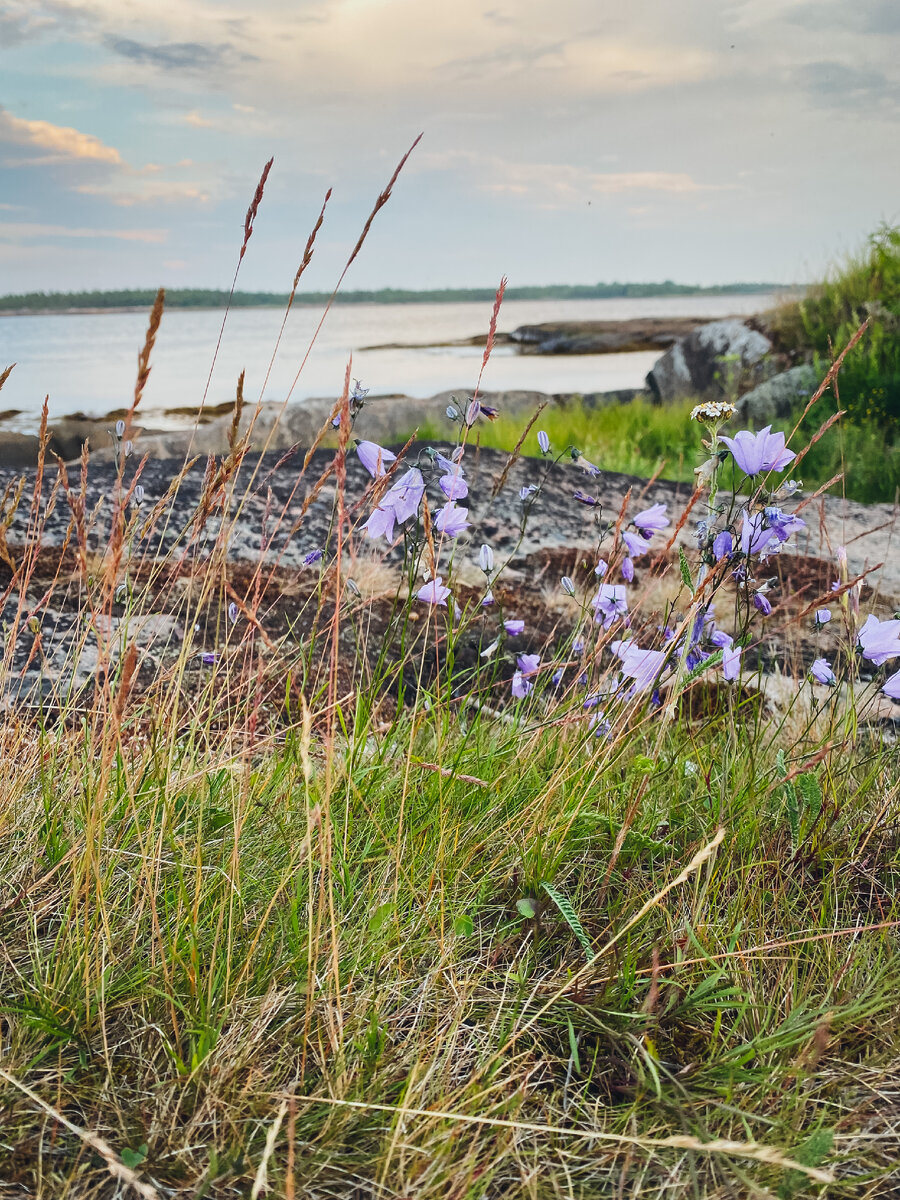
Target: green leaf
793, 815
644, 764
708, 663
571, 919
527, 908
463, 926
133, 1158
380, 916
685, 570
811, 793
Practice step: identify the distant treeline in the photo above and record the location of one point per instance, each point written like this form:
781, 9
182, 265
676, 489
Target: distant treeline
209, 298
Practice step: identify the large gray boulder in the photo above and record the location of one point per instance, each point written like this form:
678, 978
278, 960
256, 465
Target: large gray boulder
778, 396
714, 362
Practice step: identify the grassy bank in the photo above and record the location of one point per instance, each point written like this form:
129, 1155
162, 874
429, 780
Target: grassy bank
641, 438
464, 878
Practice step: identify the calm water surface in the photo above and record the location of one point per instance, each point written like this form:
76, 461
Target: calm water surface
86, 362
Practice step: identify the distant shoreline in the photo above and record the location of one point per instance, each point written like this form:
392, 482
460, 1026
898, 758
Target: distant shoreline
198, 300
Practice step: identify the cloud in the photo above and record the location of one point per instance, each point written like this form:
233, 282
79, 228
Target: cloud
562, 185
19, 231
194, 118
175, 56
153, 191
63, 142
864, 16
836, 85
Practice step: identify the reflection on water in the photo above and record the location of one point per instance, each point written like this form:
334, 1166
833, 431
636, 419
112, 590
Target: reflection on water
86, 362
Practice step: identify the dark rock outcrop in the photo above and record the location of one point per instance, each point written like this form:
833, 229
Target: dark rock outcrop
713, 362
778, 396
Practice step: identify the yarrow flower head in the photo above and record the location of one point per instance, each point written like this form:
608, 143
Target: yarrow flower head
434, 592
712, 412
758, 452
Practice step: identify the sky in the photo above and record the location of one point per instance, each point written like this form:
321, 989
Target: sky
579, 141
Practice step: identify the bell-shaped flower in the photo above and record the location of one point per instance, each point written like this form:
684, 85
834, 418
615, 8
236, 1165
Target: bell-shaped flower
406, 495
609, 604
381, 523
892, 686
451, 519
754, 534
520, 685
731, 662
636, 545
822, 672
652, 519
434, 592
514, 628
723, 545
758, 452
528, 663
374, 458
879, 640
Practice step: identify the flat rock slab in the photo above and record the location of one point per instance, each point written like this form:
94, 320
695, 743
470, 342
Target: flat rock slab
267, 527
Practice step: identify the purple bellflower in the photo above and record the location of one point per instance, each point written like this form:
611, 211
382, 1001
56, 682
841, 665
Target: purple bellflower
731, 662
520, 685
652, 519
314, 556
761, 603
453, 485
528, 663
636, 545
627, 570
543, 442
757, 452
892, 686
823, 616
879, 640
754, 535
643, 666
374, 457
723, 545
822, 672
406, 495
451, 519
434, 592
609, 604
514, 628
381, 523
